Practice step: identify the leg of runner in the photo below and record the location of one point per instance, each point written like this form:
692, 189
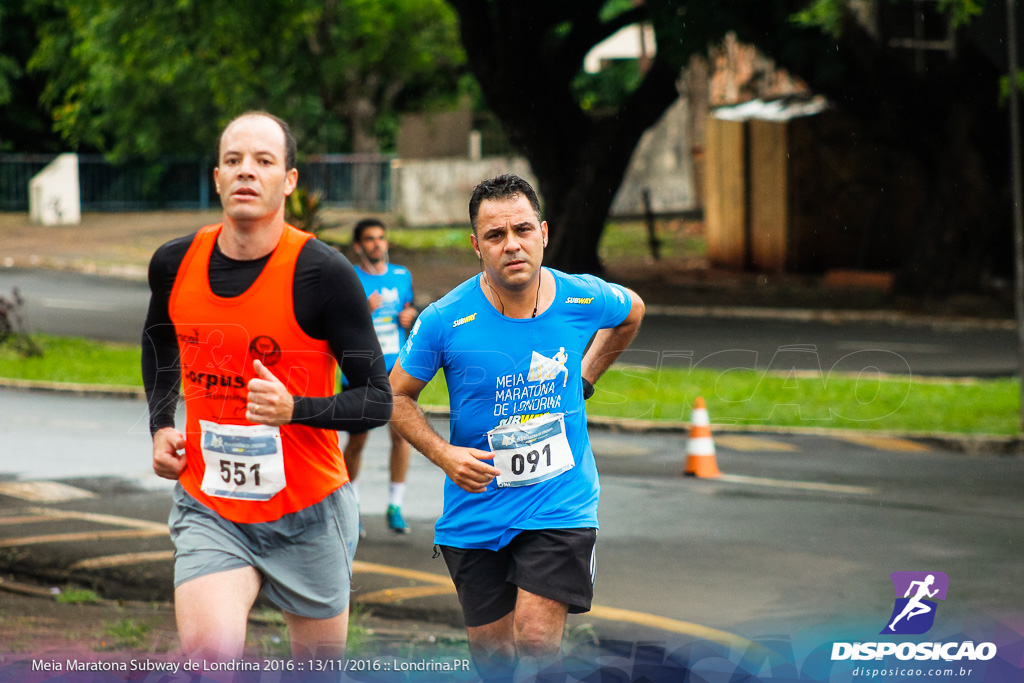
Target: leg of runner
353, 452
538, 626
318, 638
213, 610
492, 647
399, 468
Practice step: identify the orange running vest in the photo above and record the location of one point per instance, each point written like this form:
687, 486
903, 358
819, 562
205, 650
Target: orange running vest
218, 338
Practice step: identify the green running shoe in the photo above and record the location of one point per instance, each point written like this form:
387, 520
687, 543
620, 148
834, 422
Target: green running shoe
395, 521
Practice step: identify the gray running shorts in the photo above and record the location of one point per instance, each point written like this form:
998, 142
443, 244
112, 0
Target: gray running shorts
305, 558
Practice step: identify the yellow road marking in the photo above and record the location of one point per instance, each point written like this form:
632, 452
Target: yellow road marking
43, 491
738, 442
395, 594
138, 528
25, 519
101, 519
387, 570
884, 443
803, 485
81, 536
125, 559
441, 585
666, 624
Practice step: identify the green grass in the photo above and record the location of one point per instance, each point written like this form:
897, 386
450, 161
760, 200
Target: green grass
620, 239
75, 360
414, 239
742, 397
125, 634
629, 241
746, 397
359, 634
77, 596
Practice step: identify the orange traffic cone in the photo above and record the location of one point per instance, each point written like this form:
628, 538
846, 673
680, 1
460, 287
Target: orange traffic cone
700, 447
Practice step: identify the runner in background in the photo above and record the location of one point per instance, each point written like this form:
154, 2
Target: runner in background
389, 294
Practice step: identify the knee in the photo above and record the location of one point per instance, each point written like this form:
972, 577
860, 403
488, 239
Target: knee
537, 639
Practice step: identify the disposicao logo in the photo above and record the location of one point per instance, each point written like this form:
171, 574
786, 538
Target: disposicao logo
913, 614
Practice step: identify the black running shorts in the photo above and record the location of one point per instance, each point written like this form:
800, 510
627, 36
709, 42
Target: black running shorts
558, 564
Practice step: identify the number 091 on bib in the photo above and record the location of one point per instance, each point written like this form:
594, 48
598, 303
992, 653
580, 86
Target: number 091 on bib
531, 452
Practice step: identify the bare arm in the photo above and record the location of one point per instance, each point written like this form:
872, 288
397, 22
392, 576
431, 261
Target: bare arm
464, 466
407, 317
168, 453
609, 343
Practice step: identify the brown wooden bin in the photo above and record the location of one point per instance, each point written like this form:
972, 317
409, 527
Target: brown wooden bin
796, 195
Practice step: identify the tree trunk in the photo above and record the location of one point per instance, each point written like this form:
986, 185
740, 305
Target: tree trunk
579, 159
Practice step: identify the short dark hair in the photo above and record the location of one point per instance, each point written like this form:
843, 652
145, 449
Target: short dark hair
364, 225
290, 148
506, 186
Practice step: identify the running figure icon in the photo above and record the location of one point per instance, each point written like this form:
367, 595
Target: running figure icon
915, 606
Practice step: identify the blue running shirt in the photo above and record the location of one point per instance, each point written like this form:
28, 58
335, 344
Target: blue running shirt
503, 370
395, 289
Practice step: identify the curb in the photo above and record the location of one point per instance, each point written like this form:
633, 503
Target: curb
970, 444
831, 316
93, 390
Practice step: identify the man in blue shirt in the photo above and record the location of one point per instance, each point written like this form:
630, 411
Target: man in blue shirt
520, 511
389, 294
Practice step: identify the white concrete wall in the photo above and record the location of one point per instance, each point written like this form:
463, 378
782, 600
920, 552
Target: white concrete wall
53, 193
437, 191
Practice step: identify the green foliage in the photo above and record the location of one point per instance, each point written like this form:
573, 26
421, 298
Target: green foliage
163, 77
24, 125
77, 596
609, 87
302, 209
8, 71
13, 333
275, 642
829, 15
360, 636
125, 634
1004, 87
961, 12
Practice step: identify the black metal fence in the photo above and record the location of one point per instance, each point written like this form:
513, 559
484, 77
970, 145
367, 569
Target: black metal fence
356, 181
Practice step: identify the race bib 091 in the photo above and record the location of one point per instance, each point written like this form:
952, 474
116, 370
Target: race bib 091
531, 452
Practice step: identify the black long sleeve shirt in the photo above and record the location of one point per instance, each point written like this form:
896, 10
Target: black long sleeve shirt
329, 304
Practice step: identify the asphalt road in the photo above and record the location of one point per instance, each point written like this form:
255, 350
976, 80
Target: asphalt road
799, 536
114, 309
